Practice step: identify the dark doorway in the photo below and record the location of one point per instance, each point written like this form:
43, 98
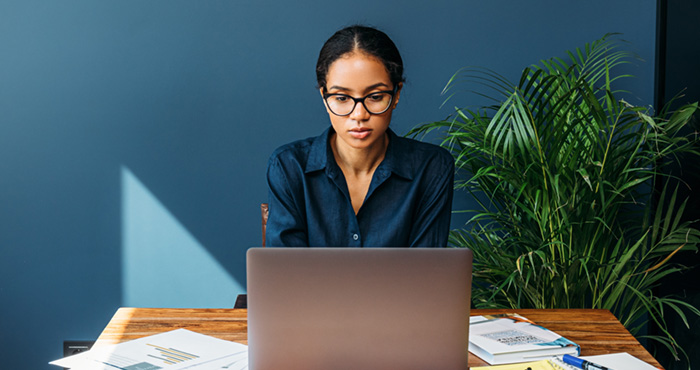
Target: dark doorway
678, 76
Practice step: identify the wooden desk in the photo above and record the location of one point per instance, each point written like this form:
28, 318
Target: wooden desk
596, 331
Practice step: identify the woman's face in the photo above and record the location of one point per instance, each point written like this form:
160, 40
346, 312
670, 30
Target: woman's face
358, 75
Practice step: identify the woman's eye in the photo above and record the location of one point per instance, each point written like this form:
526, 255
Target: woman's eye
376, 97
340, 98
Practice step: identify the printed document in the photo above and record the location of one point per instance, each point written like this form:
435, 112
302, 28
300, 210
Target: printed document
174, 350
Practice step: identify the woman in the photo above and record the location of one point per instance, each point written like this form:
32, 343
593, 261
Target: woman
359, 184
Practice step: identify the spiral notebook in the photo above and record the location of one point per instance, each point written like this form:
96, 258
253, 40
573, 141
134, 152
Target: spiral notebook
613, 361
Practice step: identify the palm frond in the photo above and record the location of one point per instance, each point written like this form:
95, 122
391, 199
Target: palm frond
562, 172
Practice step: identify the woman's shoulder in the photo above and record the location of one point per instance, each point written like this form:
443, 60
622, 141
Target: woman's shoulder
294, 149
300, 151
412, 148
412, 158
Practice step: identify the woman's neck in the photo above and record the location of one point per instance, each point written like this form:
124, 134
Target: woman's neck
359, 161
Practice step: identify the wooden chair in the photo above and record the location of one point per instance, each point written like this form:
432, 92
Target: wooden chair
265, 211
242, 299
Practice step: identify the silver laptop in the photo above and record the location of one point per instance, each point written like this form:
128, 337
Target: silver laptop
368, 308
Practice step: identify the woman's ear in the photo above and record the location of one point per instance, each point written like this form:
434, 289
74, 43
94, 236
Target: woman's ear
397, 95
322, 91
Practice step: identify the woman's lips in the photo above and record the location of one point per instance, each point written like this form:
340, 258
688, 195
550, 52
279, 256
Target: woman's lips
360, 133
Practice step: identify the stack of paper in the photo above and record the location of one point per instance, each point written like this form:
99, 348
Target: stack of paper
511, 338
173, 350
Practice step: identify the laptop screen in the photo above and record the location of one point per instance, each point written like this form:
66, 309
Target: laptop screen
370, 308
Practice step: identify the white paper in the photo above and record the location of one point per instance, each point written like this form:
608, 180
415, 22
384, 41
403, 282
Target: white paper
619, 361
173, 350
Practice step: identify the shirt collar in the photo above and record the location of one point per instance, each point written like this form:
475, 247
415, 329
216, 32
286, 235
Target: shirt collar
319, 153
393, 162
396, 159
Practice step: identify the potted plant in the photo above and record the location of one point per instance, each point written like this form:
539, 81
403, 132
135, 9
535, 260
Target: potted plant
574, 208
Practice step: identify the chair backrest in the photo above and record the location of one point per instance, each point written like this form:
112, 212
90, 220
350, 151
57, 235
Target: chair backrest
242, 299
265, 212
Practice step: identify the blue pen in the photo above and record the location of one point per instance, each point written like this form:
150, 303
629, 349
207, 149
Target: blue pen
582, 364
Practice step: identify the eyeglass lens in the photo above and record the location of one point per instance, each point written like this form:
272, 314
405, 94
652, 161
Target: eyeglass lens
374, 103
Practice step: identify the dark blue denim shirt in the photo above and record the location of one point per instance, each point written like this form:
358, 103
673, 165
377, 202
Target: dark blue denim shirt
408, 204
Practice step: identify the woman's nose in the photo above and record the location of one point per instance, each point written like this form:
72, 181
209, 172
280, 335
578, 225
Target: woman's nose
360, 113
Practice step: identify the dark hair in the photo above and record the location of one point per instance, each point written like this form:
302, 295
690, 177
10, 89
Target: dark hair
365, 39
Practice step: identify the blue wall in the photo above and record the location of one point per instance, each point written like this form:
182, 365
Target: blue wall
134, 135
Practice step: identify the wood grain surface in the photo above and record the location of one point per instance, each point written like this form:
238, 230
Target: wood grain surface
596, 331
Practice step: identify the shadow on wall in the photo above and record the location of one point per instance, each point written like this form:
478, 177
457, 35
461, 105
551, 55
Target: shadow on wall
163, 264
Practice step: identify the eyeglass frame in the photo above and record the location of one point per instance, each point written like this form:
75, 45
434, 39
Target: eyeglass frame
360, 100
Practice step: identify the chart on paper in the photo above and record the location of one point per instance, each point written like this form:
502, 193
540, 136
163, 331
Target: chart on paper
126, 363
174, 350
160, 356
171, 356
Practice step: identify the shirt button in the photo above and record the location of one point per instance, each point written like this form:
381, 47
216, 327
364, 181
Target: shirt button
355, 237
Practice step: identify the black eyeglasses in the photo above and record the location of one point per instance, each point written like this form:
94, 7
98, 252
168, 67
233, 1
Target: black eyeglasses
375, 103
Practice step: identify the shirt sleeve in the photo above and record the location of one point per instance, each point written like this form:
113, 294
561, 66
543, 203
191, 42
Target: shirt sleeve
431, 226
286, 225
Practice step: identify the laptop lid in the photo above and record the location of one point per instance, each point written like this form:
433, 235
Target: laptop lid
365, 308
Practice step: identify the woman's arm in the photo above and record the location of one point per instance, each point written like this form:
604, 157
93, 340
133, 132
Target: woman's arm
431, 225
286, 225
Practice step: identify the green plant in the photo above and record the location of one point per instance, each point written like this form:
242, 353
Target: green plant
564, 173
